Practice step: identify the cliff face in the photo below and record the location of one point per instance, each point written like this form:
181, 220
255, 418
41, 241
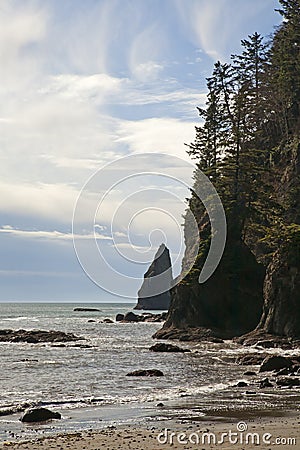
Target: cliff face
281, 315
226, 304
154, 293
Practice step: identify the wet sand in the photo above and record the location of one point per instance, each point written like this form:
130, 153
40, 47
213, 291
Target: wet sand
279, 432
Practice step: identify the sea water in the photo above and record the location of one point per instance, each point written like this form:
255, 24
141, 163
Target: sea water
89, 384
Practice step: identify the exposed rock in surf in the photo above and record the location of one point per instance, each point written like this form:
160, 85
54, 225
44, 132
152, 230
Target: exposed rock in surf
36, 336
146, 373
169, 348
39, 415
86, 309
131, 317
155, 293
119, 317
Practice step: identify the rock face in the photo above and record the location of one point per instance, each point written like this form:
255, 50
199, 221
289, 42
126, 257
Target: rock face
39, 415
224, 306
281, 313
154, 293
36, 336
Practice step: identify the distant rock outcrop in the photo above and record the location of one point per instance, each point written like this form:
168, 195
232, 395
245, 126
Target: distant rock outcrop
85, 309
36, 336
154, 293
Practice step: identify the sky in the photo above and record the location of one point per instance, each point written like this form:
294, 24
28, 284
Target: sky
83, 85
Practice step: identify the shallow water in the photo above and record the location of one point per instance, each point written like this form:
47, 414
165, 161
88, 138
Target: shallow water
89, 385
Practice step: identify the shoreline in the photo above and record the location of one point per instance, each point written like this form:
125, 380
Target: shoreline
262, 432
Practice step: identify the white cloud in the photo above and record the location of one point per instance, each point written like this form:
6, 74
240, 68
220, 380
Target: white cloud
21, 28
51, 235
54, 201
214, 26
160, 135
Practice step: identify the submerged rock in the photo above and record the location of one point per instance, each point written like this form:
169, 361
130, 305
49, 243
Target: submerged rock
146, 373
85, 309
155, 291
39, 415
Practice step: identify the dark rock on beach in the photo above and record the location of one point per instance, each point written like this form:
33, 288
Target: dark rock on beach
260, 338
39, 415
288, 381
271, 363
187, 334
251, 360
146, 373
36, 336
163, 347
265, 383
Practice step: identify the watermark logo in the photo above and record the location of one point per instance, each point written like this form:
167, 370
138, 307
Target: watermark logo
240, 436
130, 206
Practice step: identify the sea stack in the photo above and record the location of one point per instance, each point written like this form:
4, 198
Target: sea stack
154, 293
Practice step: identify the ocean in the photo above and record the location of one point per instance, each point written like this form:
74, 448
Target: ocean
89, 386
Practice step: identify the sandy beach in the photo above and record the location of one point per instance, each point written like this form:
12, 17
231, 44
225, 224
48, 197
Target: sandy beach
281, 433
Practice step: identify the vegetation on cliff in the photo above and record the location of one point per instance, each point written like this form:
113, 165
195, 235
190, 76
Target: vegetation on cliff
248, 144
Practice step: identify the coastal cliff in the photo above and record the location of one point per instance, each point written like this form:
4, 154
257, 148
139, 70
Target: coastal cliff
249, 147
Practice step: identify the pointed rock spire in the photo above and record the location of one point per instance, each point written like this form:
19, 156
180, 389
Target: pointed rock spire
155, 290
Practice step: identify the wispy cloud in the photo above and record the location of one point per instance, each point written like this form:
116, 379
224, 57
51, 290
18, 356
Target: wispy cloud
51, 235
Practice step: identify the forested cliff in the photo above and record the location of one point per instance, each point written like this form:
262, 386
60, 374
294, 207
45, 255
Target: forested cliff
248, 144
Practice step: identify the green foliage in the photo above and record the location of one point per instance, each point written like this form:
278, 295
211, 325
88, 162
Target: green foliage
251, 117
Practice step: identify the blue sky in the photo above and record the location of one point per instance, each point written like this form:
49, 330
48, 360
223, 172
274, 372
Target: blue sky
81, 85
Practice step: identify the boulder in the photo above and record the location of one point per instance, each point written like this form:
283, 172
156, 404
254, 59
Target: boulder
131, 317
288, 381
271, 363
146, 373
162, 347
39, 415
241, 384
108, 321
119, 317
155, 293
265, 383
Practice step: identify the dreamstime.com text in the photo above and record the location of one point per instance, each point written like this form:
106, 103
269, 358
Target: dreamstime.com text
240, 436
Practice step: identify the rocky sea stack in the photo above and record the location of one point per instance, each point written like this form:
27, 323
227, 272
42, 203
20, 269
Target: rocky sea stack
154, 293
